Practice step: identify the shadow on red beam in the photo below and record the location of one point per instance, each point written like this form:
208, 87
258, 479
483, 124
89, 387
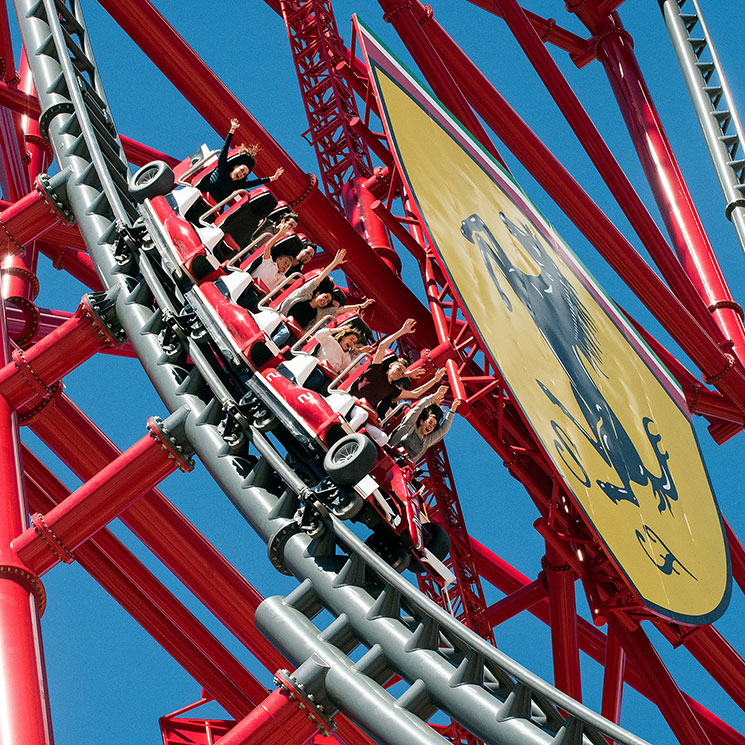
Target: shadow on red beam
151, 604
592, 641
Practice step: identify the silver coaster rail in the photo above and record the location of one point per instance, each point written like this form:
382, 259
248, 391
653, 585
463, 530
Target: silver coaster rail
445, 665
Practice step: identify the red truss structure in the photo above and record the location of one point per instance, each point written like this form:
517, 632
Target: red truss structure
366, 209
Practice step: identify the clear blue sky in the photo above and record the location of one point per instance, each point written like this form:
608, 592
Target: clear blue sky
109, 681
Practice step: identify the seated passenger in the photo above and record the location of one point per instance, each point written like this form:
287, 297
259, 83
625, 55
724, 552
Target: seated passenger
231, 174
337, 348
314, 300
423, 425
306, 253
383, 381
271, 270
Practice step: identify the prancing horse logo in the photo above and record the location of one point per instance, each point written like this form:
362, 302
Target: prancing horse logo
570, 333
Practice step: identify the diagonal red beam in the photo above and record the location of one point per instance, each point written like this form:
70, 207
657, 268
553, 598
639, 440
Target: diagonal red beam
439, 77
51, 320
659, 684
318, 216
33, 372
171, 537
616, 53
150, 603
563, 619
581, 51
24, 700
28, 105
55, 536
681, 283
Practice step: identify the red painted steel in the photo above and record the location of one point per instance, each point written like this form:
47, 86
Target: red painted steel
330, 105
24, 703
277, 720
615, 51
33, 373
437, 74
150, 603
518, 601
601, 156
563, 618
690, 334
95, 504
659, 684
613, 671
171, 537
581, 51
592, 641
25, 220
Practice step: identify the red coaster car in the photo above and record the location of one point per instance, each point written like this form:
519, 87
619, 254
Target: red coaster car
359, 480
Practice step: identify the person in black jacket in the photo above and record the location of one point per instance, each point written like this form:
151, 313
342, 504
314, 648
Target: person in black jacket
231, 174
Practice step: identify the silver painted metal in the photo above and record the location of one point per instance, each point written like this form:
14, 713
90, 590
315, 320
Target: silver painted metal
712, 102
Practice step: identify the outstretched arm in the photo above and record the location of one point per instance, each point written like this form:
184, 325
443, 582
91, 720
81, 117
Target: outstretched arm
222, 160
436, 378
338, 260
283, 228
407, 328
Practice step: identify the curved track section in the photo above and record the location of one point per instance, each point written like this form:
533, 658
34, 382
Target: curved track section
446, 665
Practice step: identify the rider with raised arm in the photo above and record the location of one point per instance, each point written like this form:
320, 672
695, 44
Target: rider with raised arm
383, 381
424, 425
231, 174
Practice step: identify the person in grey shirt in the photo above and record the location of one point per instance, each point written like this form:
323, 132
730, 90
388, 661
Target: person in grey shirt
424, 425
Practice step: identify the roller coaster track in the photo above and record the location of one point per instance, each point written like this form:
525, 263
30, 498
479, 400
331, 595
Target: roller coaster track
445, 665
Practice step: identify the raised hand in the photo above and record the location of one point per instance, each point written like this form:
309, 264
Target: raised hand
340, 258
456, 403
234, 124
277, 174
409, 326
440, 394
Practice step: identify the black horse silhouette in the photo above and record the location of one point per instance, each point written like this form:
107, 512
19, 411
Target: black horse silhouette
570, 333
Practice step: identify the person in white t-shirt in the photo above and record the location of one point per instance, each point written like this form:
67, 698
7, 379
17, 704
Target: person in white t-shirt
271, 272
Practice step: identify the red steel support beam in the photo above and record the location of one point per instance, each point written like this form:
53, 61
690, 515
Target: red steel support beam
437, 74
603, 159
663, 173
659, 684
277, 720
26, 219
24, 703
33, 372
592, 641
516, 602
319, 218
170, 536
718, 658
563, 616
581, 51
100, 500
613, 671
27, 104
151, 604
692, 336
